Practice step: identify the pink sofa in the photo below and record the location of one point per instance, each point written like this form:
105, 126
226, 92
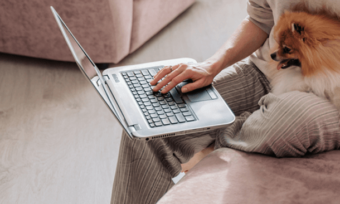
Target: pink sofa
108, 29
228, 176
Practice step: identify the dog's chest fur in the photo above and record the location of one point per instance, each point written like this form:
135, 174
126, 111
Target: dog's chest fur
325, 85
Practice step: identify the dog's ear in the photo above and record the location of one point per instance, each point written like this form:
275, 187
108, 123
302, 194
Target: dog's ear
296, 27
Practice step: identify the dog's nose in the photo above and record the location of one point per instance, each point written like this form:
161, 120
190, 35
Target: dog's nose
273, 56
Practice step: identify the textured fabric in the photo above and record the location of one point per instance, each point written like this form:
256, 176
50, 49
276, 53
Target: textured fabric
145, 168
265, 13
107, 29
288, 125
229, 176
260, 14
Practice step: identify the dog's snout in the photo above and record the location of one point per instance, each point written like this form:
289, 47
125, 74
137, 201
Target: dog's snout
274, 56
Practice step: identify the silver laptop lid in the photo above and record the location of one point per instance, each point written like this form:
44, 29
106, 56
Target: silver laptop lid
89, 69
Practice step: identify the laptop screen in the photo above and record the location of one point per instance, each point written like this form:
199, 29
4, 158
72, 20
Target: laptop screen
88, 67
82, 60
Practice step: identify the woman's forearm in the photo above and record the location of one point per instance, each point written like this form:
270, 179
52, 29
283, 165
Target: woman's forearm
244, 41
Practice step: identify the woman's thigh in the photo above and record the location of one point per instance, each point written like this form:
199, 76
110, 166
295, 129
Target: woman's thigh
290, 124
241, 86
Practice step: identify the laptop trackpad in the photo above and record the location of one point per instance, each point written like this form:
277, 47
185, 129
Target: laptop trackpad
202, 94
198, 95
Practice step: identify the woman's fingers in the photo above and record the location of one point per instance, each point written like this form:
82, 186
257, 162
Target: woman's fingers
187, 88
179, 69
162, 73
172, 76
176, 80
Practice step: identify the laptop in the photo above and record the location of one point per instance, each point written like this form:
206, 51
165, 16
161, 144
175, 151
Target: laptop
142, 113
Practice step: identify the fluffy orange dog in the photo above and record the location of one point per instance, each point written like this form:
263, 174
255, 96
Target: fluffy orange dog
308, 54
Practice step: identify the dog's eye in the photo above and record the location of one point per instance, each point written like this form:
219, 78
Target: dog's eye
286, 50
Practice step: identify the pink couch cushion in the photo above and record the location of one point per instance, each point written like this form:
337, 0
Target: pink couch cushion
102, 27
150, 16
231, 176
107, 29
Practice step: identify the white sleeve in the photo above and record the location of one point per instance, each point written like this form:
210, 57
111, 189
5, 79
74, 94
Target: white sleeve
260, 13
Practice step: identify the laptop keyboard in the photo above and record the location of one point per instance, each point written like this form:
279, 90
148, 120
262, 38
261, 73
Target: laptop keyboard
159, 109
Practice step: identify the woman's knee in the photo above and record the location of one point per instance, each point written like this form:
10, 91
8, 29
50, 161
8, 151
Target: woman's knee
295, 107
296, 121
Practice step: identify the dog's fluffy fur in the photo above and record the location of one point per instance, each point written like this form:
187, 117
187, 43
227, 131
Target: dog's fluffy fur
308, 53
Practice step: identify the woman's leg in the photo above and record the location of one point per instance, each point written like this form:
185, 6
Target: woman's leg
291, 124
145, 168
242, 86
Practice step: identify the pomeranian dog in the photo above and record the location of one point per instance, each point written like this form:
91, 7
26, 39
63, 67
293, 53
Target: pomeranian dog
308, 53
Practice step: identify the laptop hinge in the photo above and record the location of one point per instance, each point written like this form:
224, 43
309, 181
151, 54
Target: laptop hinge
134, 128
137, 127
130, 121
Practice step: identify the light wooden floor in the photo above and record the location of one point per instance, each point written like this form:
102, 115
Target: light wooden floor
58, 141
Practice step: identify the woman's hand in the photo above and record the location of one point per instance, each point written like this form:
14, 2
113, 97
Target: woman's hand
245, 40
201, 73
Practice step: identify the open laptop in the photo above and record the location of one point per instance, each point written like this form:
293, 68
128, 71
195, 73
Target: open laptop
142, 113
